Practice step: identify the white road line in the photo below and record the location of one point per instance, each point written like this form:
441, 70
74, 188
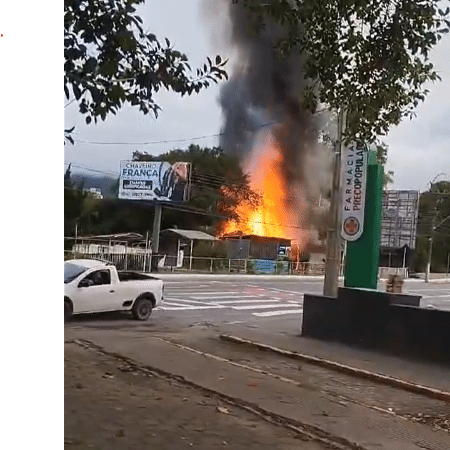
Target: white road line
434, 296
224, 295
175, 304
197, 291
427, 290
190, 308
212, 293
183, 300
278, 313
284, 290
230, 302
277, 305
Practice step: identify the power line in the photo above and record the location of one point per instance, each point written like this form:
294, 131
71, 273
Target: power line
198, 179
193, 210
84, 167
168, 141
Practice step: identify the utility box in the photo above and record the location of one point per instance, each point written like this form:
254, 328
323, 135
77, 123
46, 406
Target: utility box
394, 284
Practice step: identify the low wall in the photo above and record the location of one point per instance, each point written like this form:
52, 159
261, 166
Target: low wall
369, 295
384, 272
373, 319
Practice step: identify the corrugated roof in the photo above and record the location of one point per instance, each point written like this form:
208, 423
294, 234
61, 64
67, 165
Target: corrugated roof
193, 235
122, 237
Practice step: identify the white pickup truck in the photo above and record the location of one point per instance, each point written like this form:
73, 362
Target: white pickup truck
96, 286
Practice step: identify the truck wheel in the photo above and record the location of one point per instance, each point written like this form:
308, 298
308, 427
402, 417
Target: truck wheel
67, 311
142, 309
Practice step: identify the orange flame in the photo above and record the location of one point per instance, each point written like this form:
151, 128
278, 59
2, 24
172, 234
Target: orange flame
275, 217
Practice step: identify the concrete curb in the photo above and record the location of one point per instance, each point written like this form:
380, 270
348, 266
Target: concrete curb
440, 280
191, 275
174, 276
359, 373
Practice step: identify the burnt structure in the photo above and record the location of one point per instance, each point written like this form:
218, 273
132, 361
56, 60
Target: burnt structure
251, 246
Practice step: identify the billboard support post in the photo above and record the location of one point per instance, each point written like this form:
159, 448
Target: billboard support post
155, 237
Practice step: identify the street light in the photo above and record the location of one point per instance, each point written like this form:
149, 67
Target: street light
433, 228
430, 241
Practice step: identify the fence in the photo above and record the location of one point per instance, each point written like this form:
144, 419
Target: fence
142, 263
384, 272
123, 261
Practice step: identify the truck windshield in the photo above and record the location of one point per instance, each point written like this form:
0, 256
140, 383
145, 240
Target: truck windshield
71, 271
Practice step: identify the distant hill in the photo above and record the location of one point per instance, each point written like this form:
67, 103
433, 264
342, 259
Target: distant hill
104, 183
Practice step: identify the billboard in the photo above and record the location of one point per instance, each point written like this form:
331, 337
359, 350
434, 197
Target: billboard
154, 180
400, 217
354, 175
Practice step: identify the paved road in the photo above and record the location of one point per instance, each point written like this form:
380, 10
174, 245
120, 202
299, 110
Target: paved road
436, 295
259, 302
267, 298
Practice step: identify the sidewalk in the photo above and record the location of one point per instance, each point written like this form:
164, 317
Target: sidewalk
111, 406
332, 418
194, 275
415, 371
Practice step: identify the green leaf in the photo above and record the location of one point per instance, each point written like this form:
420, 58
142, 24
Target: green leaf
76, 91
104, 42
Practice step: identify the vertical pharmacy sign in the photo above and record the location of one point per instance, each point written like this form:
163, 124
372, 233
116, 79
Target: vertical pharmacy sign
354, 176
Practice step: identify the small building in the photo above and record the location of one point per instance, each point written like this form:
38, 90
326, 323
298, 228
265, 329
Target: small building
95, 192
245, 246
175, 244
126, 243
129, 251
264, 252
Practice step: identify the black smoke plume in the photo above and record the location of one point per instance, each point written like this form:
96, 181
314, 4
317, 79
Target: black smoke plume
264, 94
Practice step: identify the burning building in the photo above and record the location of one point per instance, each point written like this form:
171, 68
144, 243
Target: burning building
277, 140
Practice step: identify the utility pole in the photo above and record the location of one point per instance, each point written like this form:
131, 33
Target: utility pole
430, 241
448, 262
430, 247
330, 285
155, 237
146, 252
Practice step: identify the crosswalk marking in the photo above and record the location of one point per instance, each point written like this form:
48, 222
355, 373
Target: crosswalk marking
175, 299
278, 305
255, 300
187, 307
278, 313
210, 293
225, 295
197, 292
232, 302
176, 304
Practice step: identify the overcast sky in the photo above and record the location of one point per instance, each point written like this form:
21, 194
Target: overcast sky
418, 150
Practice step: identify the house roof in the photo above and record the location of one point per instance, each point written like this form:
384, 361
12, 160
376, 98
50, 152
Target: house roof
192, 235
119, 237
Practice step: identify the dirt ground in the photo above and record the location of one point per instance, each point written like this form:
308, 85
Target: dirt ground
111, 406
